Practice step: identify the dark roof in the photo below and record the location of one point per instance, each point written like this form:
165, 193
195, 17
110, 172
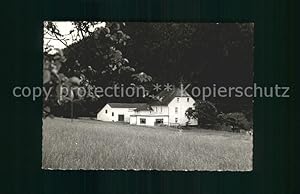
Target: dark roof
143, 107
165, 97
126, 105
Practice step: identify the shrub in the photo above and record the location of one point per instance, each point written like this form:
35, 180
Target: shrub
236, 120
205, 112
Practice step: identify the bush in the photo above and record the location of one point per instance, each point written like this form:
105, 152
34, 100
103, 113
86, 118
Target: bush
205, 112
236, 120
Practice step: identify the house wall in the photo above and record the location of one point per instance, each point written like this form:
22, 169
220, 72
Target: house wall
183, 104
133, 120
167, 113
143, 112
160, 110
103, 116
150, 120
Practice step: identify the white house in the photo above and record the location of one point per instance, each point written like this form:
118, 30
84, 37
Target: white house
118, 111
168, 109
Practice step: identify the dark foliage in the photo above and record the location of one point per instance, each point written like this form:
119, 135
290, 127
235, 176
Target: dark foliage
200, 54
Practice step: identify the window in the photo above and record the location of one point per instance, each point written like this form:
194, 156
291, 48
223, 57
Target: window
188, 99
142, 121
161, 109
159, 121
112, 114
176, 120
156, 109
105, 111
176, 109
177, 99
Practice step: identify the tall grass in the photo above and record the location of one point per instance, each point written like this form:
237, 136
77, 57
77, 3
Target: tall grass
84, 144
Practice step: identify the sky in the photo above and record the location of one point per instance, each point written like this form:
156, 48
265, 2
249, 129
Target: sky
64, 28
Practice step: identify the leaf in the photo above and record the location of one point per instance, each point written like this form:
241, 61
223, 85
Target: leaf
75, 80
46, 64
46, 76
107, 30
63, 59
62, 77
59, 52
56, 57
47, 109
117, 27
57, 66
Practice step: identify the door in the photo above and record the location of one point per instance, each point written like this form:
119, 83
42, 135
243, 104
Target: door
121, 118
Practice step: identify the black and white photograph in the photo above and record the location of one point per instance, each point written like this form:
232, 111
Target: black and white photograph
148, 96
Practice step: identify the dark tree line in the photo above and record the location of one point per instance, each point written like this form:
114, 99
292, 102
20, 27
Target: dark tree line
197, 53
201, 54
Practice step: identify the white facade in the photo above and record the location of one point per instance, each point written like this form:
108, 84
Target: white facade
171, 112
107, 113
149, 120
177, 108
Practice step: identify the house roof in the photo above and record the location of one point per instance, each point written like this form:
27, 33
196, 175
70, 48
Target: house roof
165, 97
126, 105
145, 107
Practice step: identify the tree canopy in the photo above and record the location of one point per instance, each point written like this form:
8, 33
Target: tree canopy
146, 53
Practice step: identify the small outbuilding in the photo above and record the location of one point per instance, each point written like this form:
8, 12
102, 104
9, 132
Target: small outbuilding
118, 111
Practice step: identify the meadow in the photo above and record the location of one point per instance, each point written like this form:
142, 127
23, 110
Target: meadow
94, 145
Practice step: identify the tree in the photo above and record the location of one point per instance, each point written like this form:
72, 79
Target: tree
96, 57
105, 54
52, 78
236, 120
205, 112
201, 53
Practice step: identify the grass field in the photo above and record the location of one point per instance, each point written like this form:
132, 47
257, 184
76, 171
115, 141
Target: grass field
88, 144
